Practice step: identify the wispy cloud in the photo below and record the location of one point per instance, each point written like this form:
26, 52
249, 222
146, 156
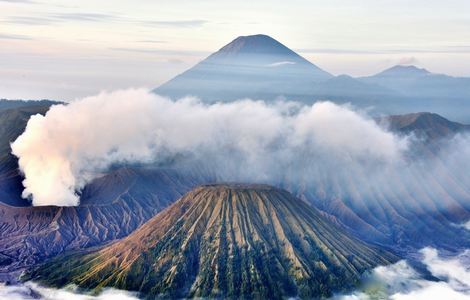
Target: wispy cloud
54, 18
85, 17
281, 63
334, 51
175, 61
27, 20
401, 281
152, 41
442, 50
161, 51
465, 225
408, 60
176, 23
20, 1
59, 18
14, 37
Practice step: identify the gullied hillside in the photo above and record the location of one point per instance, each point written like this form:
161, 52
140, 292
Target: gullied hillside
112, 207
406, 209
225, 240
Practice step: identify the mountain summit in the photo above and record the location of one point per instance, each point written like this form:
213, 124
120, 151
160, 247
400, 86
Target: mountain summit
403, 71
421, 86
258, 46
255, 66
428, 126
225, 240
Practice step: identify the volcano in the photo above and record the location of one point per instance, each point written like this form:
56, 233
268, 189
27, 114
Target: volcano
419, 85
255, 66
225, 240
424, 124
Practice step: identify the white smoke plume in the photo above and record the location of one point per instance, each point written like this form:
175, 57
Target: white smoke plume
62, 151
401, 282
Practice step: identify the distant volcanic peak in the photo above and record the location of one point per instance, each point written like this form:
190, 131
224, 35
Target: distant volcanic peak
255, 66
226, 240
260, 50
431, 126
402, 70
259, 43
409, 119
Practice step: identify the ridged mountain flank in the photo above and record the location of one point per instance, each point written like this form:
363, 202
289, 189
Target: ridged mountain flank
225, 240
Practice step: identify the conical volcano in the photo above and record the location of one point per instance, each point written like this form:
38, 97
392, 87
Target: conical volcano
226, 240
255, 66
261, 50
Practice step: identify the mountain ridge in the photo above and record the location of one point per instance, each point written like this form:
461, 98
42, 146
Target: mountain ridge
260, 67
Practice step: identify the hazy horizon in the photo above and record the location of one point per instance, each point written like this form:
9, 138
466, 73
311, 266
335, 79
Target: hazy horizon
56, 51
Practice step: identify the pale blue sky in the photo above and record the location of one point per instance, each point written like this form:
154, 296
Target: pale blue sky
69, 49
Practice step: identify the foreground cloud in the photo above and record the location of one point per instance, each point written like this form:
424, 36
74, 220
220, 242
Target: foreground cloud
62, 151
401, 282
31, 290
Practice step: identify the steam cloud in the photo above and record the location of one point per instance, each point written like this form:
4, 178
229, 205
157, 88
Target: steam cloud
401, 282
62, 151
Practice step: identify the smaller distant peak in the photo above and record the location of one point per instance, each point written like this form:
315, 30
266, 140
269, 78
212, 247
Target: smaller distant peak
412, 117
409, 68
419, 120
404, 70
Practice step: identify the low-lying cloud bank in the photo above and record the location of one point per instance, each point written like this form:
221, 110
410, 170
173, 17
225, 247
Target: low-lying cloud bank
401, 282
245, 140
31, 290
330, 150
